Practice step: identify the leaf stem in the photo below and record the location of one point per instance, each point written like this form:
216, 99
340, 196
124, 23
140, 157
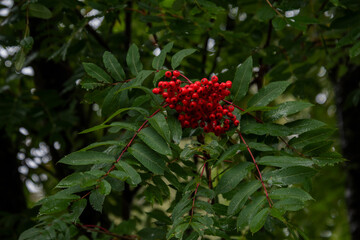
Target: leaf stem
99, 229
126, 148
257, 167
274, 8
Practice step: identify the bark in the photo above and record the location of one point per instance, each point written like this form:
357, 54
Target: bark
348, 121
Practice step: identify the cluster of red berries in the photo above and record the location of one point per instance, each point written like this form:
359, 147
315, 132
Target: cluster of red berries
198, 103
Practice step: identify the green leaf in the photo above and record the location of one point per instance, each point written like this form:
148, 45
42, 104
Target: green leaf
262, 147
265, 13
228, 153
133, 60
286, 109
90, 83
105, 187
240, 198
175, 128
249, 212
121, 175
83, 179
289, 175
317, 148
285, 193
181, 208
113, 66
268, 93
96, 72
39, 11
355, 50
289, 204
152, 233
304, 125
311, 137
179, 230
285, 161
20, 59
138, 109
86, 158
271, 129
99, 144
179, 56
233, 177
54, 206
258, 220
159, 123
77, 208
97, 200
154, 141
140, 78
242, 80
31, 233
130, 171
158, 61
161, 185
95, 128
279, 23
148, 158
160, 216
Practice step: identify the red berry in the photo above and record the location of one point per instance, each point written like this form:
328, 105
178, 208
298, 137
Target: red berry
174, 100
186, 124
214, 78
204, 81
228, 84
219, 116
156, 91
168, 74
165, 95
178, 82
193, 105
231, 108
172, 106
236, 122
172, 84
176, 73
195, 96
178, 108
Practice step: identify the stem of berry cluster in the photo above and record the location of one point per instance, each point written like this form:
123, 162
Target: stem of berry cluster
186, 78
257, 167
197, 186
